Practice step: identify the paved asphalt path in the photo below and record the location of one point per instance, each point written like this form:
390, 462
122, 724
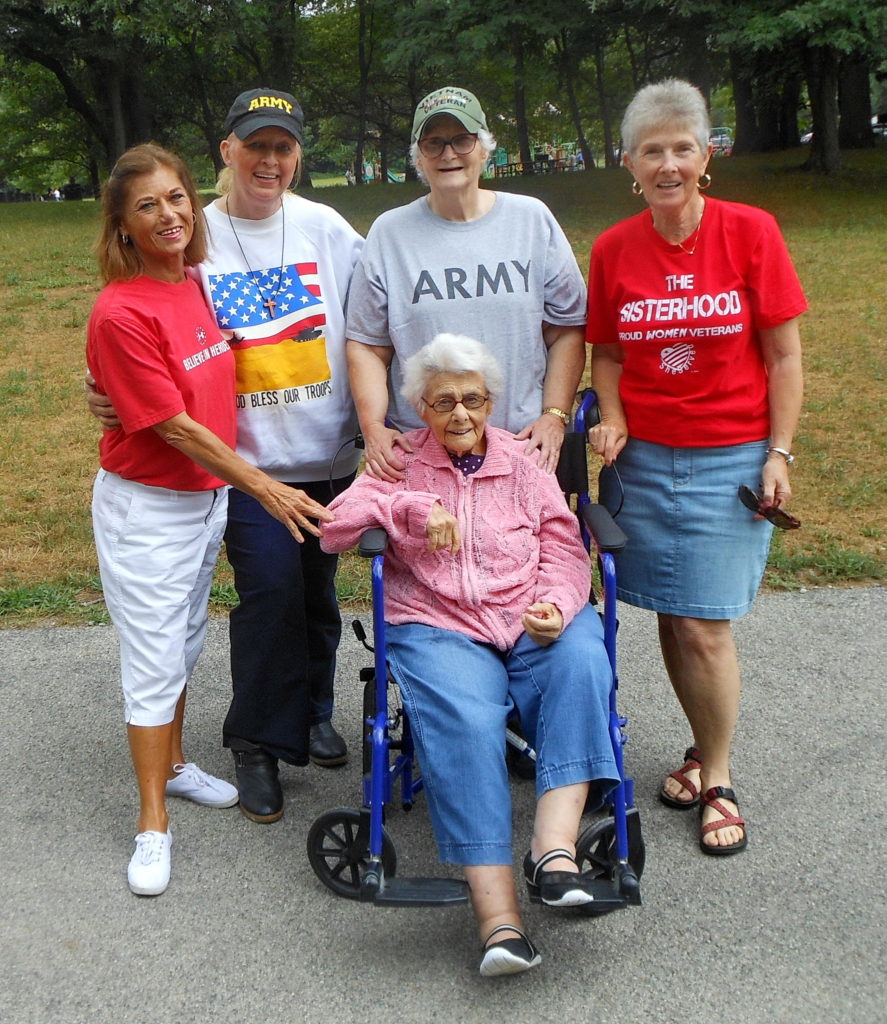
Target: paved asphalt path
790, 931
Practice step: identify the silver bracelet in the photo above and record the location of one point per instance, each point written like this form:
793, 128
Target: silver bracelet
789, 458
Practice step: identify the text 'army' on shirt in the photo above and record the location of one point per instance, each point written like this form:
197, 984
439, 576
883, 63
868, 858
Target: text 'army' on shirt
458, 283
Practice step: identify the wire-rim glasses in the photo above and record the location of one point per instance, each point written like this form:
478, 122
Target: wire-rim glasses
433, 145
447, 403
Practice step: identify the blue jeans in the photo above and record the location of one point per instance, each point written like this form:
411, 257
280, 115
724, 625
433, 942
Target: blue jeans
458, 694
285, 630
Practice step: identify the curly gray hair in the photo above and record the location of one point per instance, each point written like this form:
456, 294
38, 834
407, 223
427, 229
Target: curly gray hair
672, 101
449, 353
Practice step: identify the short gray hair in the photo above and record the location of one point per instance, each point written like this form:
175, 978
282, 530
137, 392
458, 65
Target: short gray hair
449, 353
485, 141
668, 102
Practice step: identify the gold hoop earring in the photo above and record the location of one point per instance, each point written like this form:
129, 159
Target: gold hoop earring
704, 182
636, 188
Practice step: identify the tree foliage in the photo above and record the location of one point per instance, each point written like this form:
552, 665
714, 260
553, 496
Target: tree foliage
81, 80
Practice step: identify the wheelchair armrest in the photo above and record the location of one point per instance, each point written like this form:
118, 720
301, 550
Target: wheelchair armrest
372, 542
608, 536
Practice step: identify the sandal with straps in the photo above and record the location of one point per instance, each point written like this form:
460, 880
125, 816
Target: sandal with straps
712, 798
510, 956
692, 762
556, 888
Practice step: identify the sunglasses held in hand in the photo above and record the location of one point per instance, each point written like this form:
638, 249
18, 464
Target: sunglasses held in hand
772, 513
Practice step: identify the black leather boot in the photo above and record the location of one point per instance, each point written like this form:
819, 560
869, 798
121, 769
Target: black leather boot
261, 798
326, 747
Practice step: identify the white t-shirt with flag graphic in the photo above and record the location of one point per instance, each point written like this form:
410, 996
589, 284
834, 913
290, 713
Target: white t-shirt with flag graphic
286, 312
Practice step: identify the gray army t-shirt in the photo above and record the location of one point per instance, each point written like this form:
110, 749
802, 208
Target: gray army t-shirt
495, 279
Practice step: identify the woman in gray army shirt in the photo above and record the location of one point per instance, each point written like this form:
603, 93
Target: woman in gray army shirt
467, 260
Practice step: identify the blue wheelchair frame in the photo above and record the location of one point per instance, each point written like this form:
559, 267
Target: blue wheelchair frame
351, 851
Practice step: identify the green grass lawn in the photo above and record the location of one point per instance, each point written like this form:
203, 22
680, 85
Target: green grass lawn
836, 229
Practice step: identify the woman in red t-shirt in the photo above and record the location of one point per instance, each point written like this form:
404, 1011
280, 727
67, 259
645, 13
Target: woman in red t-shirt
160, 501
693, 315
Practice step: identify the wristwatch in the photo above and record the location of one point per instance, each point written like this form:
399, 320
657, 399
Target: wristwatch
554, 411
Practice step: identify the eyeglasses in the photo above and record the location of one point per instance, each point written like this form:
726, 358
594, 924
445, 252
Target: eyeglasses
772, 513
449, 402
433, 145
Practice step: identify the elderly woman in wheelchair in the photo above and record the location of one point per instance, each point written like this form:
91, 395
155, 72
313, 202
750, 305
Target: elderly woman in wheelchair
486, 601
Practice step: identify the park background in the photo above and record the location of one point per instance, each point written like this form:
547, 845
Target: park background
81, 81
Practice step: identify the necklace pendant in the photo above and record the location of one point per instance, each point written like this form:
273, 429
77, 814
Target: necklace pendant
271, 306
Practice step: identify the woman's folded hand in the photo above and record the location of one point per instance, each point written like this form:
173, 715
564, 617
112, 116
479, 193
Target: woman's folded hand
442, 530
543, 623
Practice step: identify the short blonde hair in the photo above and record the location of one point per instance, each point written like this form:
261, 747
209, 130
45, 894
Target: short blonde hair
449, 353
119, 260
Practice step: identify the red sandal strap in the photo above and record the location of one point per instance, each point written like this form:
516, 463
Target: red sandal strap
710, 798
679, 777
692, 762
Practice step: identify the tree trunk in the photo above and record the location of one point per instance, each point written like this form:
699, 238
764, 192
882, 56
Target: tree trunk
362, 89
282, 30
140, 125
855, 104
520, 103
821, 67
415, 95
568, 76
746, 137
768, 123
610, 157
788, 112
118, 138
632, 59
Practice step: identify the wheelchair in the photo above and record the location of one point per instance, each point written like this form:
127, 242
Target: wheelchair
351, 851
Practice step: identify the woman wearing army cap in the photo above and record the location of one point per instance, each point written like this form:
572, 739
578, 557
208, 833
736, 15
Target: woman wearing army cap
465, 260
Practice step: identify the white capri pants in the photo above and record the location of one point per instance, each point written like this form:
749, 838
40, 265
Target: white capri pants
157, 551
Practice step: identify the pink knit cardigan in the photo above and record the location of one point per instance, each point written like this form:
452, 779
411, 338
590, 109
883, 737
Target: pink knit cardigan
520, 541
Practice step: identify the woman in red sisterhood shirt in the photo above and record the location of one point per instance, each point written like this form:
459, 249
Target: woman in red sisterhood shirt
160, 501
693, 315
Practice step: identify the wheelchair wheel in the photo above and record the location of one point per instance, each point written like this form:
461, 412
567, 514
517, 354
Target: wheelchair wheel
335, 856
369, 713
596, 847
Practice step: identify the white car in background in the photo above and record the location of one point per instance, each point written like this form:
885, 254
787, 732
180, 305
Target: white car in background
722, 140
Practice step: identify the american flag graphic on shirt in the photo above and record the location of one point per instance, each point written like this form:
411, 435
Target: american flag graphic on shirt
294, 356
239, 298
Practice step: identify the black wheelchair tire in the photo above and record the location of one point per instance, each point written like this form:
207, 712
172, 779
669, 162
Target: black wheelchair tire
334, 854
596, 846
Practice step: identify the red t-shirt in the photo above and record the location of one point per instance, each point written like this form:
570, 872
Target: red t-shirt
694, 373
155, 349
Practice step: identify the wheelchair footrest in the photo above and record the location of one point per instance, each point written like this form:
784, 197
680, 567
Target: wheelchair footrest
422, 892
607, 897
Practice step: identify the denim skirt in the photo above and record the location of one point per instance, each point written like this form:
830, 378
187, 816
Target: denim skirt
693, 549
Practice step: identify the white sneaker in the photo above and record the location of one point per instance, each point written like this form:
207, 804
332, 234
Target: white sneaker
148, 872
193, 784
